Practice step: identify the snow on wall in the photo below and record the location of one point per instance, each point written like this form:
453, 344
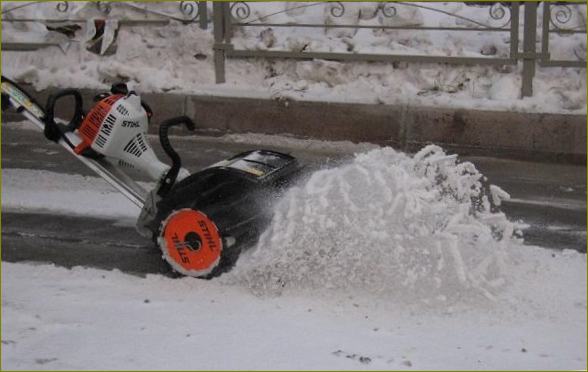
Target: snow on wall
178, 58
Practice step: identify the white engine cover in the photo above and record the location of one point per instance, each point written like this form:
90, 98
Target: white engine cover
122, 136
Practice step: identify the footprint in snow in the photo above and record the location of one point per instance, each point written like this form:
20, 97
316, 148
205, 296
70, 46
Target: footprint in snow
360, 358
45, 360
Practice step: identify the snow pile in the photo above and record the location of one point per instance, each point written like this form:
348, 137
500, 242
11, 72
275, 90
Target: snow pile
416, 228
179, 58
146, 57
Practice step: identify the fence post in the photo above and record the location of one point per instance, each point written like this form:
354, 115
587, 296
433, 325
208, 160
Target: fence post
545, 34
228, 23
203, 15
514, 30
529, 48
218, 16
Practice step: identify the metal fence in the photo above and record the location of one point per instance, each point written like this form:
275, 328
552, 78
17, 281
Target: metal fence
556, 17
187, 12
229, 16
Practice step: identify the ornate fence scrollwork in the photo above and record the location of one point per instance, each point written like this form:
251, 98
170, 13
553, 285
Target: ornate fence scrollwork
62, 6
240, 10
561, 14
497, 11
189, 11
388, 9
337, 9
557, 19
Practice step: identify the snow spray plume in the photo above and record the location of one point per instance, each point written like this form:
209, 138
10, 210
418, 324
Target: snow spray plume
419, 229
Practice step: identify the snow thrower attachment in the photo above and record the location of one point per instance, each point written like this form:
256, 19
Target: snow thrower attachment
201, 221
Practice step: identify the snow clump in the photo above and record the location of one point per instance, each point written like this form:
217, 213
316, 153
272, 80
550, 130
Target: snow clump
421, 229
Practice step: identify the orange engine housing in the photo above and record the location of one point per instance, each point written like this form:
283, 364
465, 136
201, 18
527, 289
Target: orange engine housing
92, 123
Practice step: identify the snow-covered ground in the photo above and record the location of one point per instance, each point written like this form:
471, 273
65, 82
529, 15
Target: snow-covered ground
387, 261
44, 191
54, 318
178, 58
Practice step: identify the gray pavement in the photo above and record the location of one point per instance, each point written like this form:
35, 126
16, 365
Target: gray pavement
550, 197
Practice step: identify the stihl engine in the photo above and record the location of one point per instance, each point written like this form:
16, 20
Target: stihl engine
201, 221
116, 126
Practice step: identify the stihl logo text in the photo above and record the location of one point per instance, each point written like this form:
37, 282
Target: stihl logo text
207, 235
130, 124
181, 248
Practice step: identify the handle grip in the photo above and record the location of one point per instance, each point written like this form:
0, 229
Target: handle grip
121, 88
5, 102
52, 131
172, 174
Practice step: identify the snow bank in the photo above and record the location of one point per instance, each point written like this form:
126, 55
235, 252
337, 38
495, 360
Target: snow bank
179, 58
417, 229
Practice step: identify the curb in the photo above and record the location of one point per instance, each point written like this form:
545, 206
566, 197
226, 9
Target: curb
515, 135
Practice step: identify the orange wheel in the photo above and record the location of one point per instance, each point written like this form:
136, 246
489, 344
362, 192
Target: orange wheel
190, 242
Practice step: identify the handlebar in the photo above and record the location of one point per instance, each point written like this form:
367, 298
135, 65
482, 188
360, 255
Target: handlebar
172, 174
52, 131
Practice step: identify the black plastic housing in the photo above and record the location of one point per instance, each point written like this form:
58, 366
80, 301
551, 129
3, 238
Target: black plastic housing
236, 194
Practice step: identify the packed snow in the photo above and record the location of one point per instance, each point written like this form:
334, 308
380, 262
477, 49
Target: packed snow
45, 191
178, 58
387, 261
79, 319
